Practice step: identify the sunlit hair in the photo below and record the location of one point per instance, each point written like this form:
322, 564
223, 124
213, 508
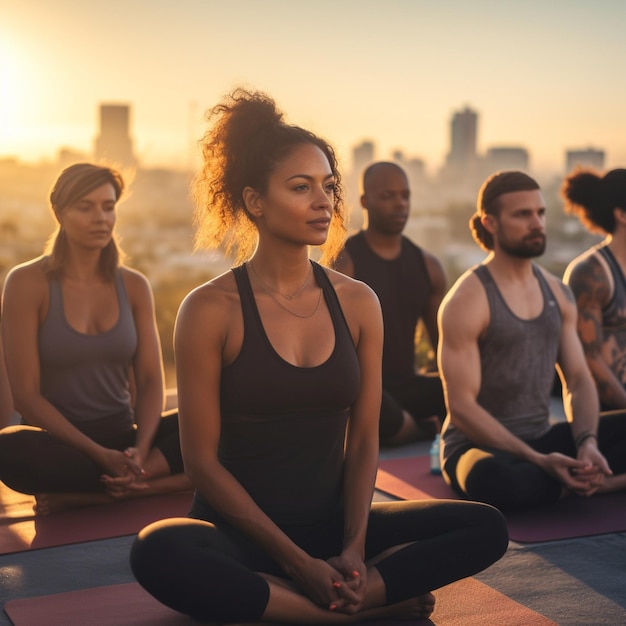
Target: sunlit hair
246, 141
74, 183
593, 197
488, 202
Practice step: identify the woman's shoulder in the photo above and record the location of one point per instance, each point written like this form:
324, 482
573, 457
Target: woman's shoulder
349, 287
134, 281
30, 274
218, 296
358, 300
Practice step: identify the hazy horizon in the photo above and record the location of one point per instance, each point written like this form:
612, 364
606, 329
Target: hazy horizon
542, 76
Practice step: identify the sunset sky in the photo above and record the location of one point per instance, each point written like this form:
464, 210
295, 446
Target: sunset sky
544, 74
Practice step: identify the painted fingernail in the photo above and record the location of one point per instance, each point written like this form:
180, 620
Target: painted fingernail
332, 607
337, 585
355, 573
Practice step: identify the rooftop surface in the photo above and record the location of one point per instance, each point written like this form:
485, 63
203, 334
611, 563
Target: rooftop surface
575, 582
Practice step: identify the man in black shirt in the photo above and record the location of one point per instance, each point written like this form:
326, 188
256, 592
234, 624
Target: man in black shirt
410, 284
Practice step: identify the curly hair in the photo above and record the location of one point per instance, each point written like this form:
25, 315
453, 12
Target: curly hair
247, 139
488, 202
593, 197
74, 183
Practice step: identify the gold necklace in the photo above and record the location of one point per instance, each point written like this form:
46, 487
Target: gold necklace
270, 290
302, 317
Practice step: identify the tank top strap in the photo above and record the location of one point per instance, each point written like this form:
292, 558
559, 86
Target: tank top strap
484, 275
251, 316
616, 270
548, 296
332, 301
55, 304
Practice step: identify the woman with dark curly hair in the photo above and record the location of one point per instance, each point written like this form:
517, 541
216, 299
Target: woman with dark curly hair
597, 278
79, 332
279, 382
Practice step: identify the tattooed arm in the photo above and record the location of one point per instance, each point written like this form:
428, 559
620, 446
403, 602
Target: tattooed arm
592, 290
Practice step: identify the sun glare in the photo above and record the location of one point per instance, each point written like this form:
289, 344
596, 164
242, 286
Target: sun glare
9, 85
16, 93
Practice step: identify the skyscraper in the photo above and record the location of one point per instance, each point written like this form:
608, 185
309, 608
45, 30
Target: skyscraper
588, 157
114, 143
507, 158
463, 131
362, 156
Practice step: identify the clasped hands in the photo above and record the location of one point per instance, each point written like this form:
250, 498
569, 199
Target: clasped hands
583, 475
123, 472
339, 584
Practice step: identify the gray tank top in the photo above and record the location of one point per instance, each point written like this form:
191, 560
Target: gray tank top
86, 376
517, 365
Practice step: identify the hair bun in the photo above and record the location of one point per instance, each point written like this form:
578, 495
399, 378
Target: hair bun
582, 187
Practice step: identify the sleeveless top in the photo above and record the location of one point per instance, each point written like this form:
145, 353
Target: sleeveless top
614, 318
86, 376
403, 287
517, 358
283, 426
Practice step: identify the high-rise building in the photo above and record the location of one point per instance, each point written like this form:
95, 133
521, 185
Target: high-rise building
507, 158
114, 143
362, 156
588, 157
463, 132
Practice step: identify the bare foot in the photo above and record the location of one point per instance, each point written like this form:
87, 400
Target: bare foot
47, 503
421, 607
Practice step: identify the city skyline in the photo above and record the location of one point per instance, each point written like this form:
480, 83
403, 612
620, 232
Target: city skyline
540, 77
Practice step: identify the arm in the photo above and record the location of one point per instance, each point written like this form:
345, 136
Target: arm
6, 399
208, 333
147, 362
463, 317
24, 299
590, 285
438, 282
580, 399
364, 316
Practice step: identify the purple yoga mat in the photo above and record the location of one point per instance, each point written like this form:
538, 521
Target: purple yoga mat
21, 530
410, 479
466, 602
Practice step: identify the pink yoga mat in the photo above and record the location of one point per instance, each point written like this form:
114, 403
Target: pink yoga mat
410, 479
21, 530
464, 603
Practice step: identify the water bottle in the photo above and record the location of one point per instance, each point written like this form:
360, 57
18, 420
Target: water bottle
435, 466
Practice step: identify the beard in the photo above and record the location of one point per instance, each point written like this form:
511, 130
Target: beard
528, 248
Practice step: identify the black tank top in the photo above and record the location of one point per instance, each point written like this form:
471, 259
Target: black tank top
403, 287
283, 426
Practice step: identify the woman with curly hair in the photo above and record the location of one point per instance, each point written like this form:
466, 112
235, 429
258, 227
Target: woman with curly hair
597, 278
279, 382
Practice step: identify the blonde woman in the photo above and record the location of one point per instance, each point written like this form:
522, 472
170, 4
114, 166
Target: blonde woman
77, 325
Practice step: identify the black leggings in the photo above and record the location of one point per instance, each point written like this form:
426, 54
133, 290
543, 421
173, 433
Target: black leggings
32, 461
211, 574
509, 482
421, 396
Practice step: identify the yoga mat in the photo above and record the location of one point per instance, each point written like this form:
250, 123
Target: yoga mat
410, 479
464, 603
21, 529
